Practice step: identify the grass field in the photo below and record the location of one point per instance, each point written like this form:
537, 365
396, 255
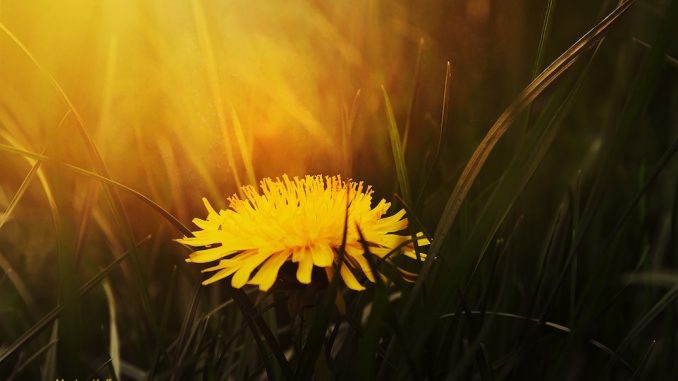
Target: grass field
533, 142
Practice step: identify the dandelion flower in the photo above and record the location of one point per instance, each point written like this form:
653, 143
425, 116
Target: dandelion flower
299, 220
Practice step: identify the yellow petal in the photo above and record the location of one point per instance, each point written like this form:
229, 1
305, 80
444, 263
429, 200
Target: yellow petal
194, 241
409, 252
305, 268
266, 275
209, 255
206, 224
220, 275
204, 238
224, 263
421, 240
248, 265
323, 255
392, 240
380, 251
211, 213
364, 265
350, 279
393, 223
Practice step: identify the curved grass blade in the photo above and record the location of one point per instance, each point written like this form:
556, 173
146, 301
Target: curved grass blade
41, 176
99, 166
551, 73
19, 193
163, 212
53, 81
552, 325
18, 284
35, 171
188, 327
663, 303
47, 348
573, 250
54, 313
482, 152
539, 61
639, 96
169, 217
257, 325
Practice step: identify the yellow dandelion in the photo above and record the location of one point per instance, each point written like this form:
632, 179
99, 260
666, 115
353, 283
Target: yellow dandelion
302, 221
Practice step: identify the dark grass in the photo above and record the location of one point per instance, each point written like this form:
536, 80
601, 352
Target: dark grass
554, 257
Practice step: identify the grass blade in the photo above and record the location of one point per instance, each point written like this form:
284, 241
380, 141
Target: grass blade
663, 303
19, 193
114, 348
641, 367
555, 326
18, 284
397, 149
257, 326
105, 180
429, 168
639, 96
482, 152
85, 219
100, 167
316, 334
413, 97
54, 313
544, 80
539, 61
318, 330
244, 149
50, 361
50, 367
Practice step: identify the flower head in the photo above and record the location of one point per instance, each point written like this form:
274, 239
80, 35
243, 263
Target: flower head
300, 220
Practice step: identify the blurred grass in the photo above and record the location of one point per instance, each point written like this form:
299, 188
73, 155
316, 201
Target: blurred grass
554, 256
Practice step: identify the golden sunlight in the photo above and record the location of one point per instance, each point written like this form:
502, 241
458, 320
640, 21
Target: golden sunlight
187, 83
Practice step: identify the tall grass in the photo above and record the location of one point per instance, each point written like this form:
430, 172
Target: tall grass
534, 142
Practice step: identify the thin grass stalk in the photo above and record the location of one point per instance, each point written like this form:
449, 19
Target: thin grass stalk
397, 149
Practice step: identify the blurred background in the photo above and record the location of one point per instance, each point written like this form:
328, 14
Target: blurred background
161, 87
194, 98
